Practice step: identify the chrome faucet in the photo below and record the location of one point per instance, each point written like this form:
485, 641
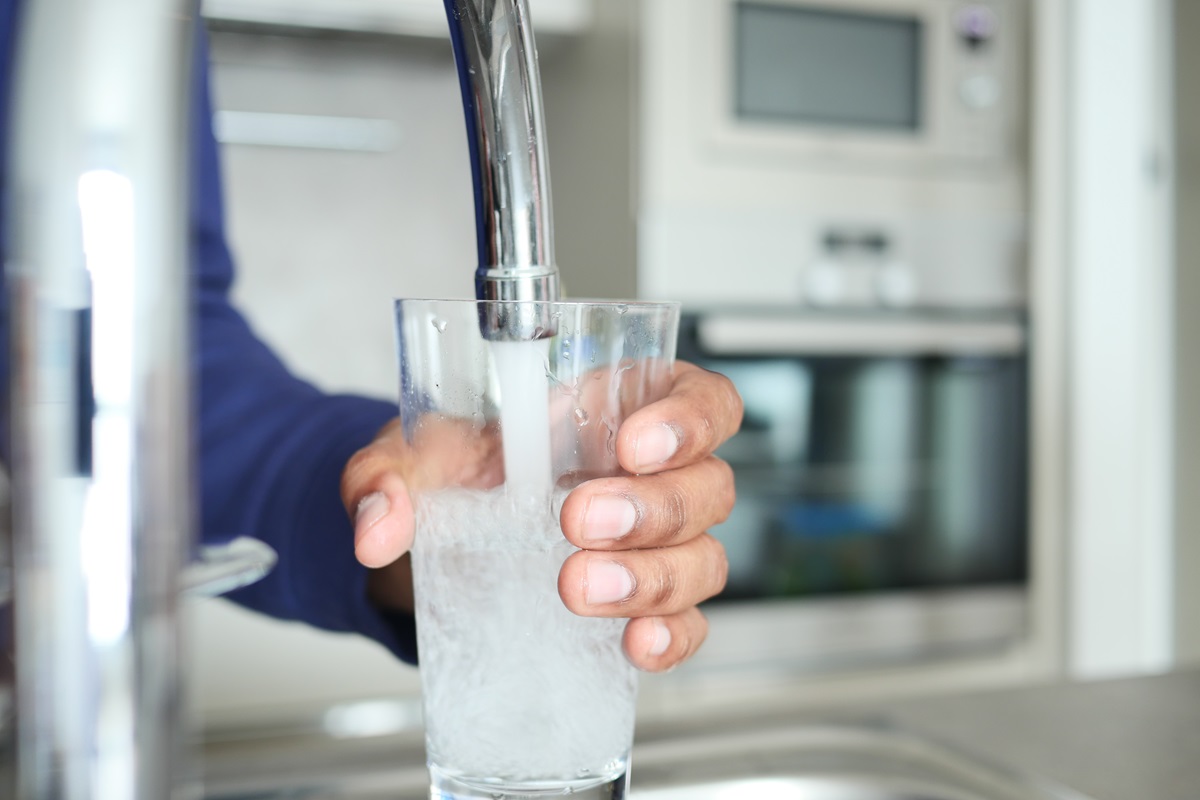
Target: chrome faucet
98, 287
502, 100
100, 427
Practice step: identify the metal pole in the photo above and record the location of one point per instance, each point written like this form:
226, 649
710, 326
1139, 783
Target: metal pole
98, 288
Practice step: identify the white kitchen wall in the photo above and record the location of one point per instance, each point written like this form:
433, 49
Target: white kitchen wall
1120, 567
326, 239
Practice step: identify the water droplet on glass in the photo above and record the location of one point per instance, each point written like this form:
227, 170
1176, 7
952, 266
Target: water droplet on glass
625, 364
581, 417
539, 332
439, 324
622, 308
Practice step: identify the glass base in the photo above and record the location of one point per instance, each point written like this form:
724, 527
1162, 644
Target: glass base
444, 787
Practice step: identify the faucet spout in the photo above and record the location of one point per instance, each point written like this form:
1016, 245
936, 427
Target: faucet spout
502, 101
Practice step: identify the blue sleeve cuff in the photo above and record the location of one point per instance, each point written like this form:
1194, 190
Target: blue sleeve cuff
317, 578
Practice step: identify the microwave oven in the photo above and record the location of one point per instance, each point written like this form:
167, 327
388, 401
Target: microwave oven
902, 83
833, 153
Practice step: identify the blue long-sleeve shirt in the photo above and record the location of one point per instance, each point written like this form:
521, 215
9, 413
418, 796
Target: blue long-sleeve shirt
272, 447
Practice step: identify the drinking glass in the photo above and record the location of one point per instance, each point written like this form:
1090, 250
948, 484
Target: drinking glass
521, 697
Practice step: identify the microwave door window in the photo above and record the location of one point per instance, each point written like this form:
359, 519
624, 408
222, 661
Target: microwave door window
876, 474
811, 66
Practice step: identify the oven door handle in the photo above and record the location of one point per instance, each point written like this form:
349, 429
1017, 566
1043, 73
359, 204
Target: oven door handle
737, 335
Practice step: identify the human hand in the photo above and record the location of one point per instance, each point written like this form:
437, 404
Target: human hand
377, 487
646, 553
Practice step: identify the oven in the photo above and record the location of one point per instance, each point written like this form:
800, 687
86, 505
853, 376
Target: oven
882, 482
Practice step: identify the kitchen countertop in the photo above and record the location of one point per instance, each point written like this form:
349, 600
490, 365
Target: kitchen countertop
1129, 739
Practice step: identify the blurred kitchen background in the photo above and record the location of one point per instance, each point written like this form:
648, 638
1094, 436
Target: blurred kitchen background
942, 246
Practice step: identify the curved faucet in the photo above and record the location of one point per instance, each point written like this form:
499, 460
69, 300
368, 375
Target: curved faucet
502, 101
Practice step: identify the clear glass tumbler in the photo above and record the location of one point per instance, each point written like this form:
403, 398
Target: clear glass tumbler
522, 698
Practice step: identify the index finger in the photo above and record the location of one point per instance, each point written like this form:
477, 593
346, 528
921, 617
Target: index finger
701, 411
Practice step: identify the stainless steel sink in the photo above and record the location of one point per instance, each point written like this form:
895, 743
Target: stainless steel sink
864, 760
846, 788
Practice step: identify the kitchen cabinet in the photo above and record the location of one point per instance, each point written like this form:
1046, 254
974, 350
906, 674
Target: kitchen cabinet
420, 18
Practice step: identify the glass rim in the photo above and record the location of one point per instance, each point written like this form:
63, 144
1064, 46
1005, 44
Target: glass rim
574, 302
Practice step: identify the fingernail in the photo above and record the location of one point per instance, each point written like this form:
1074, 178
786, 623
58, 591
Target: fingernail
662, 639
608, 582
655, 445
608, 516
371, 509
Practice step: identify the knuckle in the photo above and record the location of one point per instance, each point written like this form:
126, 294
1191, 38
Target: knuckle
733, 398
727, 489
718, 562
674, 511
664, 587
709, 437
685, 648
358, 468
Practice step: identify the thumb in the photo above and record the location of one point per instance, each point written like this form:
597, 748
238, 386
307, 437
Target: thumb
383, 527
377, 499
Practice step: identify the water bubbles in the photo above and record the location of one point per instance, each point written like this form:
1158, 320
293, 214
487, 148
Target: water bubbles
439, 324
581, 417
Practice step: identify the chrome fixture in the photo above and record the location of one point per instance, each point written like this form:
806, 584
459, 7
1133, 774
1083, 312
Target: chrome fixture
98, 290
502, 100
97, 279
